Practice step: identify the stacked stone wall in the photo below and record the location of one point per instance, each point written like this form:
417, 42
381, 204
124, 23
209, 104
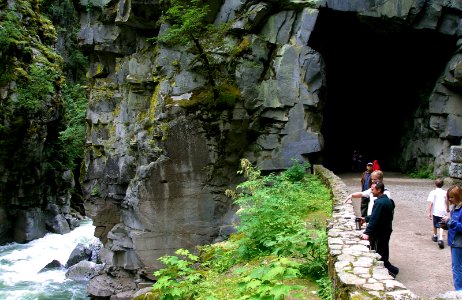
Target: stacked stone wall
355, 271
455, 170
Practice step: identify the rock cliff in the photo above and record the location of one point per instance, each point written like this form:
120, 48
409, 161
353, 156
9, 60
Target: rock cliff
35, 190
161, 149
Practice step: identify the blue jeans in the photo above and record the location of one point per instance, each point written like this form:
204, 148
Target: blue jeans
456, 254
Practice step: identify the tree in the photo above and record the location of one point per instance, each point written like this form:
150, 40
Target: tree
188, 25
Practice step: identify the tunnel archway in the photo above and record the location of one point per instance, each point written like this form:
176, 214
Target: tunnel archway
378, 74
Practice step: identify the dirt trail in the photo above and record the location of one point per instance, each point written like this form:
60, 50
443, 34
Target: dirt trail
424, 268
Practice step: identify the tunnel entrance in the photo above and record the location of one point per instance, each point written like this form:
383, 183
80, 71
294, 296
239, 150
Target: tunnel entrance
377, 75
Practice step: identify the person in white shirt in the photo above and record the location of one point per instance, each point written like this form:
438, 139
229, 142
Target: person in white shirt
376, 176
437, 208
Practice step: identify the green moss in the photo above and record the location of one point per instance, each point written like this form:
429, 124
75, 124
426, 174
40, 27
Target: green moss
243, 47
164, 127
153, 104
98, 151
47, 31
103, 90
228, 96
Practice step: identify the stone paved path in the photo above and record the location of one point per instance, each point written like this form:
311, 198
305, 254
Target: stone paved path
424, 268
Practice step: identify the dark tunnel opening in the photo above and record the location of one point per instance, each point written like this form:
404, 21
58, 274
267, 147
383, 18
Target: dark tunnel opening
377, 74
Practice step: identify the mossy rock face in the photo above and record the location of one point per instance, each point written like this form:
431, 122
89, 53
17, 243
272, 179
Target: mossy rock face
31, 81
204, 97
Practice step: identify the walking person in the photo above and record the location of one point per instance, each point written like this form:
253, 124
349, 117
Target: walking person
437, 208
454, 225
380, 226
375, 176
365, 185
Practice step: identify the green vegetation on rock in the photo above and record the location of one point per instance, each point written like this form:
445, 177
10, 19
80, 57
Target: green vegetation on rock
43, 114
72, 138
189, 25
279, 250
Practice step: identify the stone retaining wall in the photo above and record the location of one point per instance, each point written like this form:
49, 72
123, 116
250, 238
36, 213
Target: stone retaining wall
355, 271
455, 169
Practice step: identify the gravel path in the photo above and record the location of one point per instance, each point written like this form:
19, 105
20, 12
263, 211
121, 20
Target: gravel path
424, 268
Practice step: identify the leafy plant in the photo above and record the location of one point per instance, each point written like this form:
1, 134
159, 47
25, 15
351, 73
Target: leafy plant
13, 43
297, 171
189, 26
95, 191
40, 86
187, 21
66, 19
279, 247
326, 290
423, 172
73, 137
177, 279
267, 281
317, 250
273, 212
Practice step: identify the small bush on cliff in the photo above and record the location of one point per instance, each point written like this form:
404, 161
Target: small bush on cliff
189, 25
73, 137
34, 93
279, 250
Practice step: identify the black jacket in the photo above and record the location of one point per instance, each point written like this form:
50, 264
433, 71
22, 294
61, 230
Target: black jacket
379, 223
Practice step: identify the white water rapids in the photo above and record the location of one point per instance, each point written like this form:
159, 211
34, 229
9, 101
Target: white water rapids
20, 265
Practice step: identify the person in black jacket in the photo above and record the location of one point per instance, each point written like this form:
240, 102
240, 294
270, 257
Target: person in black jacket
379, 226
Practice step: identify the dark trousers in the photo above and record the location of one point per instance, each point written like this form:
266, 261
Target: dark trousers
380, 245
364, 206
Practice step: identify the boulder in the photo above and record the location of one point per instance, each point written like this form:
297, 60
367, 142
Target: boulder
80, 253
54, 264
83, 270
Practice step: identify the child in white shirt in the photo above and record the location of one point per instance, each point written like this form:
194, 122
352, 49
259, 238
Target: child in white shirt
437, 208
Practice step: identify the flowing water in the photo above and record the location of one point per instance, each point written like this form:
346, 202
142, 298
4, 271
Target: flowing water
20, 265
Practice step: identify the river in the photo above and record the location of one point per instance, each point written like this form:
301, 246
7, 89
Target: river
20, 265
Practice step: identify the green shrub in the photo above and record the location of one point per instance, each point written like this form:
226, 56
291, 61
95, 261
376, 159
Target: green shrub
12, 43
279, 249
177, 279
297, 171
423, 172
72, 139
326, 290
33, 94
272, 218
267, 281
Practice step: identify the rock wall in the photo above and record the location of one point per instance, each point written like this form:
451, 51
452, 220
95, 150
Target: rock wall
159, 155
34, 196
437, 123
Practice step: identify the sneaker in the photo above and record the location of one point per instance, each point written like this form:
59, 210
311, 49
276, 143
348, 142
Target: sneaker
441, 244
435, 238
